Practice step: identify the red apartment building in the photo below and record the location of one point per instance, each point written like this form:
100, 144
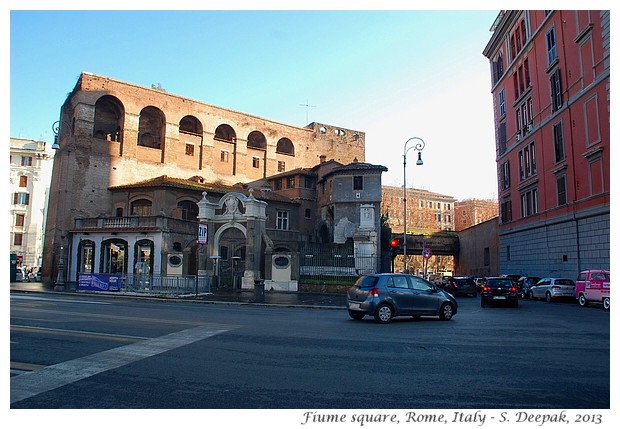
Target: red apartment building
550, 84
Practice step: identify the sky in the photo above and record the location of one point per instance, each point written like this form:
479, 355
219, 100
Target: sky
392, 74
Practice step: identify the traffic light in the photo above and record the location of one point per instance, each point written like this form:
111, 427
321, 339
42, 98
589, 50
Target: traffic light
394, 244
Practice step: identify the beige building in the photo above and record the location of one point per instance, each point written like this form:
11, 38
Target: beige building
30, 172
470, 212
426, 211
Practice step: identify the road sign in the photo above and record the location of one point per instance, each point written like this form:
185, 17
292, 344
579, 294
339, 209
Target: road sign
202, 233
427, 253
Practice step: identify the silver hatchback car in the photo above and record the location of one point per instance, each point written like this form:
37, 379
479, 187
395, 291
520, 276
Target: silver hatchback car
552, 288
385, 296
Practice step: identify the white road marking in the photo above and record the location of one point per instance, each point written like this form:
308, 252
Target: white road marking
33, 383
41, 298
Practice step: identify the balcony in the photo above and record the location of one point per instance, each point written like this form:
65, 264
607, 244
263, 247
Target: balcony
135, 223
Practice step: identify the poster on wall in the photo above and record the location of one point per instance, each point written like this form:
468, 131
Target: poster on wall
99, 282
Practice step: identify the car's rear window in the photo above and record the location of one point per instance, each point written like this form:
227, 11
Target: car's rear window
565, 282
467, 281
366, 282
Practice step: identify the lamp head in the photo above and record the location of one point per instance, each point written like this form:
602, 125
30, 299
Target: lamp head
419, 161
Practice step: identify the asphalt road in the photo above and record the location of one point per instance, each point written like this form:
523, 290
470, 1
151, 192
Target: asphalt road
83, 352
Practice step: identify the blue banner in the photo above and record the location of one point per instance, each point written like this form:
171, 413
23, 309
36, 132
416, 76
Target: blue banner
100, 282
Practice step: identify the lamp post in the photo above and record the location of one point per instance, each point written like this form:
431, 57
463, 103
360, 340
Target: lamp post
60, 280
418, 146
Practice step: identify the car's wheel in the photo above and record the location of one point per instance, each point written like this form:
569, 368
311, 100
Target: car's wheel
384, 313
531, 295
606, 303
357, 315
548, 297
582, 300
446, 311
522, 295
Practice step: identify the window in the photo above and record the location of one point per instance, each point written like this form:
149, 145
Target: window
558, 142
255, 162
506, 211
119, 212
141, 207
282, 220
358, 183
501, 137
561, 186
552, 53
224, 156
189, 210
113, 256
556, 90
189, 149
23, 181
527, 161
529, 202
502, 102
290, 182
20, 219
505, 175
86, 255
26, 161
18, 238
277, 184
308, 214
281, 166
308, 182
21, 198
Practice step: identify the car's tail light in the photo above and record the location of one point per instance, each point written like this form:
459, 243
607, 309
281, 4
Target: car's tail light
513, 289
486, 289
374, 292
455, 284
555, 287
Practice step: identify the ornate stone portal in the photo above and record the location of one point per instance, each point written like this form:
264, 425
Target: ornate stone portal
233, 210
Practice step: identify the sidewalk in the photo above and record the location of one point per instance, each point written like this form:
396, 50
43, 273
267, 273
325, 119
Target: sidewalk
249, 297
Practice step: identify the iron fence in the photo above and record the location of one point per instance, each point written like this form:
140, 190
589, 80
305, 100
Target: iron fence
334, 261
166, 285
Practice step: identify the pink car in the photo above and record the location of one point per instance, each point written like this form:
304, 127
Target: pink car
593, 286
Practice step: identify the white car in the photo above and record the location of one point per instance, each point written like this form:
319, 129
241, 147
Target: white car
20, 274
551, 288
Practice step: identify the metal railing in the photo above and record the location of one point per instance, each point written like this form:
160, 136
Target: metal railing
335, 262
166, 285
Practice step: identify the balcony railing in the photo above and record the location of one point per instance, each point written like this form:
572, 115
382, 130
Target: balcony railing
128, 223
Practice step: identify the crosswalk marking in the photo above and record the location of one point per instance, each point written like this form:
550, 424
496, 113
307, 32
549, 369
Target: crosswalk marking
26, 385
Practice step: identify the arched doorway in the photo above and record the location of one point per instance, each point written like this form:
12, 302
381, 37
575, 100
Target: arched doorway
232, 252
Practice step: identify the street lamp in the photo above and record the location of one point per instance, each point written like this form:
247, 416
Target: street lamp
418, 146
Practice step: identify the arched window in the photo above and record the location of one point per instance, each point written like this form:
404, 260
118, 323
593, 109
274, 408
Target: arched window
191, 125
151, 128
142, 207
109, 114
113, 256
257, 140
285, 146
225, 132
86, 256
143, 253
189, 210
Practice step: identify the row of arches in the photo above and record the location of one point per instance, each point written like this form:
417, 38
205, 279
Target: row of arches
109, 125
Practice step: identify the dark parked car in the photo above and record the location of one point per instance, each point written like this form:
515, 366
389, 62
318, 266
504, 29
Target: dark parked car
524, 284
388, 295
461, 286
499, 290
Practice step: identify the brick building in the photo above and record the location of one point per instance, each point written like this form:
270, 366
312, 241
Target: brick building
550, 84
136, 168
473, 211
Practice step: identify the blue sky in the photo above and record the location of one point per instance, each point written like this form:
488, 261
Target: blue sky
391, 74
